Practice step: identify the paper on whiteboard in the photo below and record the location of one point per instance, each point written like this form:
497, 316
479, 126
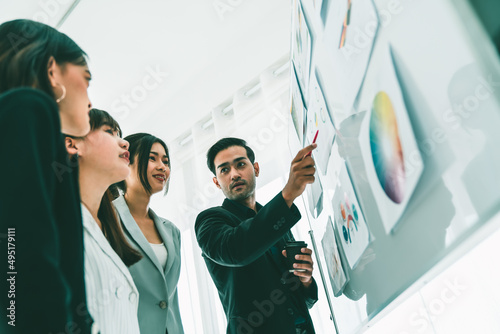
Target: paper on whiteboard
391, 154
349, 221
318, 119
332, 258
350, 59
317, 5
315, 196
301, 46
297, 108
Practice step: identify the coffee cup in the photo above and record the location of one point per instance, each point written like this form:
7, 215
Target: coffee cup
293, 248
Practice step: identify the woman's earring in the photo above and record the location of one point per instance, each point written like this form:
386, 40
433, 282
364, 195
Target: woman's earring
63, 95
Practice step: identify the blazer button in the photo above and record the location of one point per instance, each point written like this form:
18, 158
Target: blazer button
132, 297
290, 311
283, 281
119, 292
163, 304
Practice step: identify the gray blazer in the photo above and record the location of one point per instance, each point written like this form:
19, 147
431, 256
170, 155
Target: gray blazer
158, 300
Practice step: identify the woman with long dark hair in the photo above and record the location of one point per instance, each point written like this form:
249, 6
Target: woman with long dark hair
103, 159
157, 239
43, 90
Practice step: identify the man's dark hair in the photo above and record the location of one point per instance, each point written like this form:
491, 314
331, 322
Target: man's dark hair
223, 144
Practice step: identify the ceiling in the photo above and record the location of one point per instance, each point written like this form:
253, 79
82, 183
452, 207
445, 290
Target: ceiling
159, 66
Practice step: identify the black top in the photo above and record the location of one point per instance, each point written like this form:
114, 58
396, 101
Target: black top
40, 220
242, 251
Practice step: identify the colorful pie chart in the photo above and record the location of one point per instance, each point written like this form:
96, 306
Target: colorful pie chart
387, 153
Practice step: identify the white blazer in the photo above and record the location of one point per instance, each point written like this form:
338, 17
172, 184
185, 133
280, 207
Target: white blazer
112, 297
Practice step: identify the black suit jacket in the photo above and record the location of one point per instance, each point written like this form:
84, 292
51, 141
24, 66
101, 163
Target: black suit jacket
254, 286
40, 201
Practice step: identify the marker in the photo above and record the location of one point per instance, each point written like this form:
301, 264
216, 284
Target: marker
314, 140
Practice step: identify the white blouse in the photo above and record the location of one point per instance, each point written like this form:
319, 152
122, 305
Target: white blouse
112, 296
161, 253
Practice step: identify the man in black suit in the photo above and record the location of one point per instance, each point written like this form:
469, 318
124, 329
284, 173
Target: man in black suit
242, 244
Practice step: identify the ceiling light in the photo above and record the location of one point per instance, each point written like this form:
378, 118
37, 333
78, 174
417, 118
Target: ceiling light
227, 109
186, 140
252, 90
207, 124
281, 69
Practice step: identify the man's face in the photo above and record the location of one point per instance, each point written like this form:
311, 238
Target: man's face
235, 174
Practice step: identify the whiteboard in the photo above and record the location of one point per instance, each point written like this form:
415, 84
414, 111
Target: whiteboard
444, 60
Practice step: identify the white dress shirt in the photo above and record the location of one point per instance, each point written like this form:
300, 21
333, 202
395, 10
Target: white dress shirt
161, 253
112, 296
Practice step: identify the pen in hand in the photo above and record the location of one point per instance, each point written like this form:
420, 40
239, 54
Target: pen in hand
314, 141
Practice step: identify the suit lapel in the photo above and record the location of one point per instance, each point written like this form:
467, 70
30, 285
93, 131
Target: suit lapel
135, 232
167, 237
95, 232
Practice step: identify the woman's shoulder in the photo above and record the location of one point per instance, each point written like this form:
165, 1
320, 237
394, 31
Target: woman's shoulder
166, 222
28, 103
173, 226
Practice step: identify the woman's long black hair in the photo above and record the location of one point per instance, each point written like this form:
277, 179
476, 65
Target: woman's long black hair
25, 50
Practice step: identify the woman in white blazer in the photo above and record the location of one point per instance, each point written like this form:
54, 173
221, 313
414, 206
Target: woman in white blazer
112, 296
158, 240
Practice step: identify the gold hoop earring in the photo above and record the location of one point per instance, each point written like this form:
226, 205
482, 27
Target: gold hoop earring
63, 95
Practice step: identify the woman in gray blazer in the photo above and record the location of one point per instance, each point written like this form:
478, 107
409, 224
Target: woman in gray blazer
158, 240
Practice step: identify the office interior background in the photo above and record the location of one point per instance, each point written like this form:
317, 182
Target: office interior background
191, 72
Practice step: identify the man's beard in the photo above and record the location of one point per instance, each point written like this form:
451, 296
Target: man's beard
239, 196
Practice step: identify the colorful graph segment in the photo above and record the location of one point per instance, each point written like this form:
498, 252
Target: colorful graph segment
349, 216
387, 152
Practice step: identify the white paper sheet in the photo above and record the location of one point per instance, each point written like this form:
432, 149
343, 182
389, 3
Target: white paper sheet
317, 5
349, 221
301, 47
318, 119
315, 196
392, 158
297, 108
332, 258
351, 60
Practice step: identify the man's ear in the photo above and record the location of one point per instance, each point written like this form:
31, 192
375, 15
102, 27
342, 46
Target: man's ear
216, 181
71, 146
256, 168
